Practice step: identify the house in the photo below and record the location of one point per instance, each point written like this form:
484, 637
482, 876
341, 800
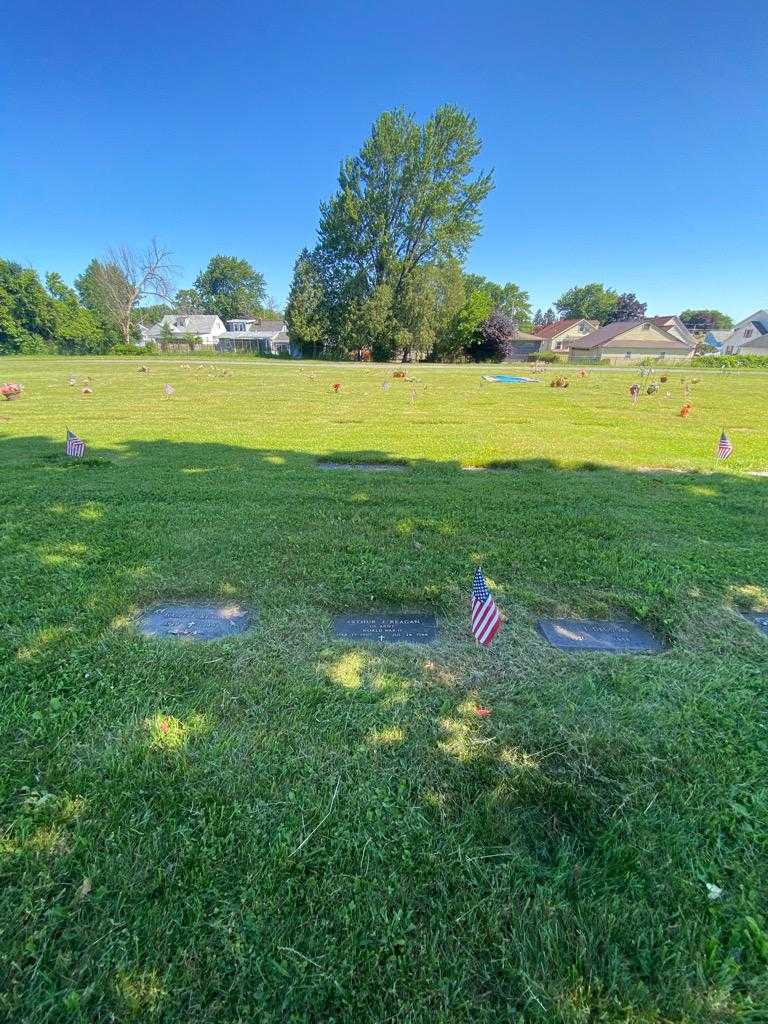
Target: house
521, 344
206, 327
750, 336
717, 339
628, 341
144, 335
269, 337
675, 326
557, 337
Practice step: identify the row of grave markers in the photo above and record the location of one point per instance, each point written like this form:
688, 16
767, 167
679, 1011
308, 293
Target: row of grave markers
217, 622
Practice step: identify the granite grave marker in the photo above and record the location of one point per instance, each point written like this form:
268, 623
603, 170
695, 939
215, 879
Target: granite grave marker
395, 628
194, 621
599, 635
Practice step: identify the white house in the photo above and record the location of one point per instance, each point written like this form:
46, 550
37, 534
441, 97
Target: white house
269, 337
749, 337
557, 337
207, 327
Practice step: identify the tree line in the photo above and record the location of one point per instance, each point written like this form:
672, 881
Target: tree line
385, 280
116, 294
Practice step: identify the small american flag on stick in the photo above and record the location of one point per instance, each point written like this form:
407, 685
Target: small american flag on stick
724, 446
75, 448
484, 616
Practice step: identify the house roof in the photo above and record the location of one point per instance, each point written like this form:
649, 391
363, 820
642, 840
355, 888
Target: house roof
615, 330
202, 323
551, 330
673, 321
271, 326
718, 336
760, 316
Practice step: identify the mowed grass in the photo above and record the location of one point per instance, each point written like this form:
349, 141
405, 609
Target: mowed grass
284, 827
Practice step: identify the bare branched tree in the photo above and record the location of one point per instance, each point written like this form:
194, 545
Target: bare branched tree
127, 276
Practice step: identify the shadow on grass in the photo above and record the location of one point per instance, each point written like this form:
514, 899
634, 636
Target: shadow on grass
283, 761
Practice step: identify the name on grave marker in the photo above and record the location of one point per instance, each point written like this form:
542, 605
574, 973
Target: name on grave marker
194, 621
395, 628
615, 637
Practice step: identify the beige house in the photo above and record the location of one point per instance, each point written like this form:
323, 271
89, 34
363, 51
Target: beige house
559, 336
628, 341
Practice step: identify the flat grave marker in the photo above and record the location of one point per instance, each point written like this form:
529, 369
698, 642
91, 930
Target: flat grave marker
617, 637
369, 467
386, 628
758, 619
194, 621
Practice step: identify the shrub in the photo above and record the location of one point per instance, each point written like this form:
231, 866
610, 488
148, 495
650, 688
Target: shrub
731, 362
133, 350
543, 357
33, 345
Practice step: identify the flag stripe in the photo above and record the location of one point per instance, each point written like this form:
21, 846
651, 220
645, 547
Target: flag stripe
485, 620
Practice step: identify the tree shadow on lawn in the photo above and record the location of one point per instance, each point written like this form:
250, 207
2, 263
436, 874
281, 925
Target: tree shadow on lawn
588, 798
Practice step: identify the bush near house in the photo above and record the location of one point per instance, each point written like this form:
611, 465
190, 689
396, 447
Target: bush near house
731, 362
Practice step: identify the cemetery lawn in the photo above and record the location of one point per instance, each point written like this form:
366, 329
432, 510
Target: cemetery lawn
287, 828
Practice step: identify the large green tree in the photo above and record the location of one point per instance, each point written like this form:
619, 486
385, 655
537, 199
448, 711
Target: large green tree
706, 320
230, 287
77, 329
409, 198
27, 311
306, 312
589, 301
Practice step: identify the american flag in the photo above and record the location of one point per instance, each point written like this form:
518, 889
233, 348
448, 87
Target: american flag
168, 390
485, 617
75, 447
724, 446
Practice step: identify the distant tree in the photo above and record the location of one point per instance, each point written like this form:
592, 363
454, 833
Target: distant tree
508, 298
77, 329
306, 312
27, 311
590, 302
467, 326
151, 315
116, 285
407, 199
166, 338
550, 317
538, 318
187, 302
628, 307
495, 333
706, 320
230, 287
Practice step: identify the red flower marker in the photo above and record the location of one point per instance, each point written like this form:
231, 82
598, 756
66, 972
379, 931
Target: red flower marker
164, 725
336, 387
482, 712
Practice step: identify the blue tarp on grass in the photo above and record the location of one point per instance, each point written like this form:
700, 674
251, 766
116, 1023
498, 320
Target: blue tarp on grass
504, 378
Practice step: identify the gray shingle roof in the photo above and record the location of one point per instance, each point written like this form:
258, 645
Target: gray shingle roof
202, 323
614, 330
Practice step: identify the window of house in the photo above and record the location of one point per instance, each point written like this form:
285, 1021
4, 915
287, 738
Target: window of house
748, 334
584, 329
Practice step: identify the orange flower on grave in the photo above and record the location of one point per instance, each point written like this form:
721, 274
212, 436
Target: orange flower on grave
482, 712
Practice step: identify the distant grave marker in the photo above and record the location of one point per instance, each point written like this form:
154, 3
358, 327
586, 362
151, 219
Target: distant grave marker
386, 628
758, 619
599, 635
194, 621
369, 467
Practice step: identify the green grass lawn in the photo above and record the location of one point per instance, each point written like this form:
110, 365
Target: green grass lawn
287, 828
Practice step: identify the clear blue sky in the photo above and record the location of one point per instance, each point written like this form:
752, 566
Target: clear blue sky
629, 139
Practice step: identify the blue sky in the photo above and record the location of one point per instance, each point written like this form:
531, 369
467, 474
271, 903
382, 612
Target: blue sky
628, 139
